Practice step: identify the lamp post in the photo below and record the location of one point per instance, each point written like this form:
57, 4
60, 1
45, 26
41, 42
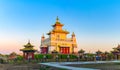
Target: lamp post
44, 58
57, 58
68, 56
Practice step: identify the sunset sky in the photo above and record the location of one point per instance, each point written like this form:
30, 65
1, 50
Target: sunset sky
96, 23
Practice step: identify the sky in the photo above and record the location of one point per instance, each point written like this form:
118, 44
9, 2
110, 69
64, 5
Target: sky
96, 23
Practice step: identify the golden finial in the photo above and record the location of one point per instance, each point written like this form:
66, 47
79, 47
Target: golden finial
73, 34
57, 19
43, 35
28, 41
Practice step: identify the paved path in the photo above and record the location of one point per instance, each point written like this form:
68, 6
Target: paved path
62, 64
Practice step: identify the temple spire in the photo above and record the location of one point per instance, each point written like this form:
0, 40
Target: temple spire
28, 41
57, 19
43, 36
73, 34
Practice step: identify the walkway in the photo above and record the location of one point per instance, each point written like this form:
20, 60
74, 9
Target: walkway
62, 64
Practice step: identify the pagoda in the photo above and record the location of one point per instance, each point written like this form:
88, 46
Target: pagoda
58, 40
28, 51
116, 52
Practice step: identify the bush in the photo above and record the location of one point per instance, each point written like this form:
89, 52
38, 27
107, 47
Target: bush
49, 56
38, 56
41, 56
19, 57
73, 56
64, 56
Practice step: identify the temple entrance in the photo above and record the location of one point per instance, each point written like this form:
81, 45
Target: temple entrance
65, 50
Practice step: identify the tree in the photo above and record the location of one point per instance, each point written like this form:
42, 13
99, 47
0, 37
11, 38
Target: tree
81, 51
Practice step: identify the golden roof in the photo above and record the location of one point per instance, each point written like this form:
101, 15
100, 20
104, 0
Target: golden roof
58, 31
28, 47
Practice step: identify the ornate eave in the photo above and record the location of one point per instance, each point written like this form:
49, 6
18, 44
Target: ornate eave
118, 47
50, 33
61, 31
28, 49
58, 24
58, 31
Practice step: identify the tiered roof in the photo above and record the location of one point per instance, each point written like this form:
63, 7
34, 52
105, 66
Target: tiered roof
28, 47
57, 23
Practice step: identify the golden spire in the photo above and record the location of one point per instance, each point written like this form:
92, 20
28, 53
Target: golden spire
28, 41
57, 19
73, 34
43, 35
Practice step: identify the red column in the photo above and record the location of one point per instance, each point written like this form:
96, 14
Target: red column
65, 50
24, 55
32, 55
68, 50
43, 49
61, 50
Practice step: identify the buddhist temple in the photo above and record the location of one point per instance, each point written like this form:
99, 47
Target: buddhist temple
28, 51
58, 41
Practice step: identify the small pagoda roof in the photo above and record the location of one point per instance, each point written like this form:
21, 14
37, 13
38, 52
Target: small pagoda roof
98, 52
118, 47
28, 47
73, 34
115, 50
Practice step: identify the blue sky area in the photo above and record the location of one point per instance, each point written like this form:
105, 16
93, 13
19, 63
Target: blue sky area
96, 23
